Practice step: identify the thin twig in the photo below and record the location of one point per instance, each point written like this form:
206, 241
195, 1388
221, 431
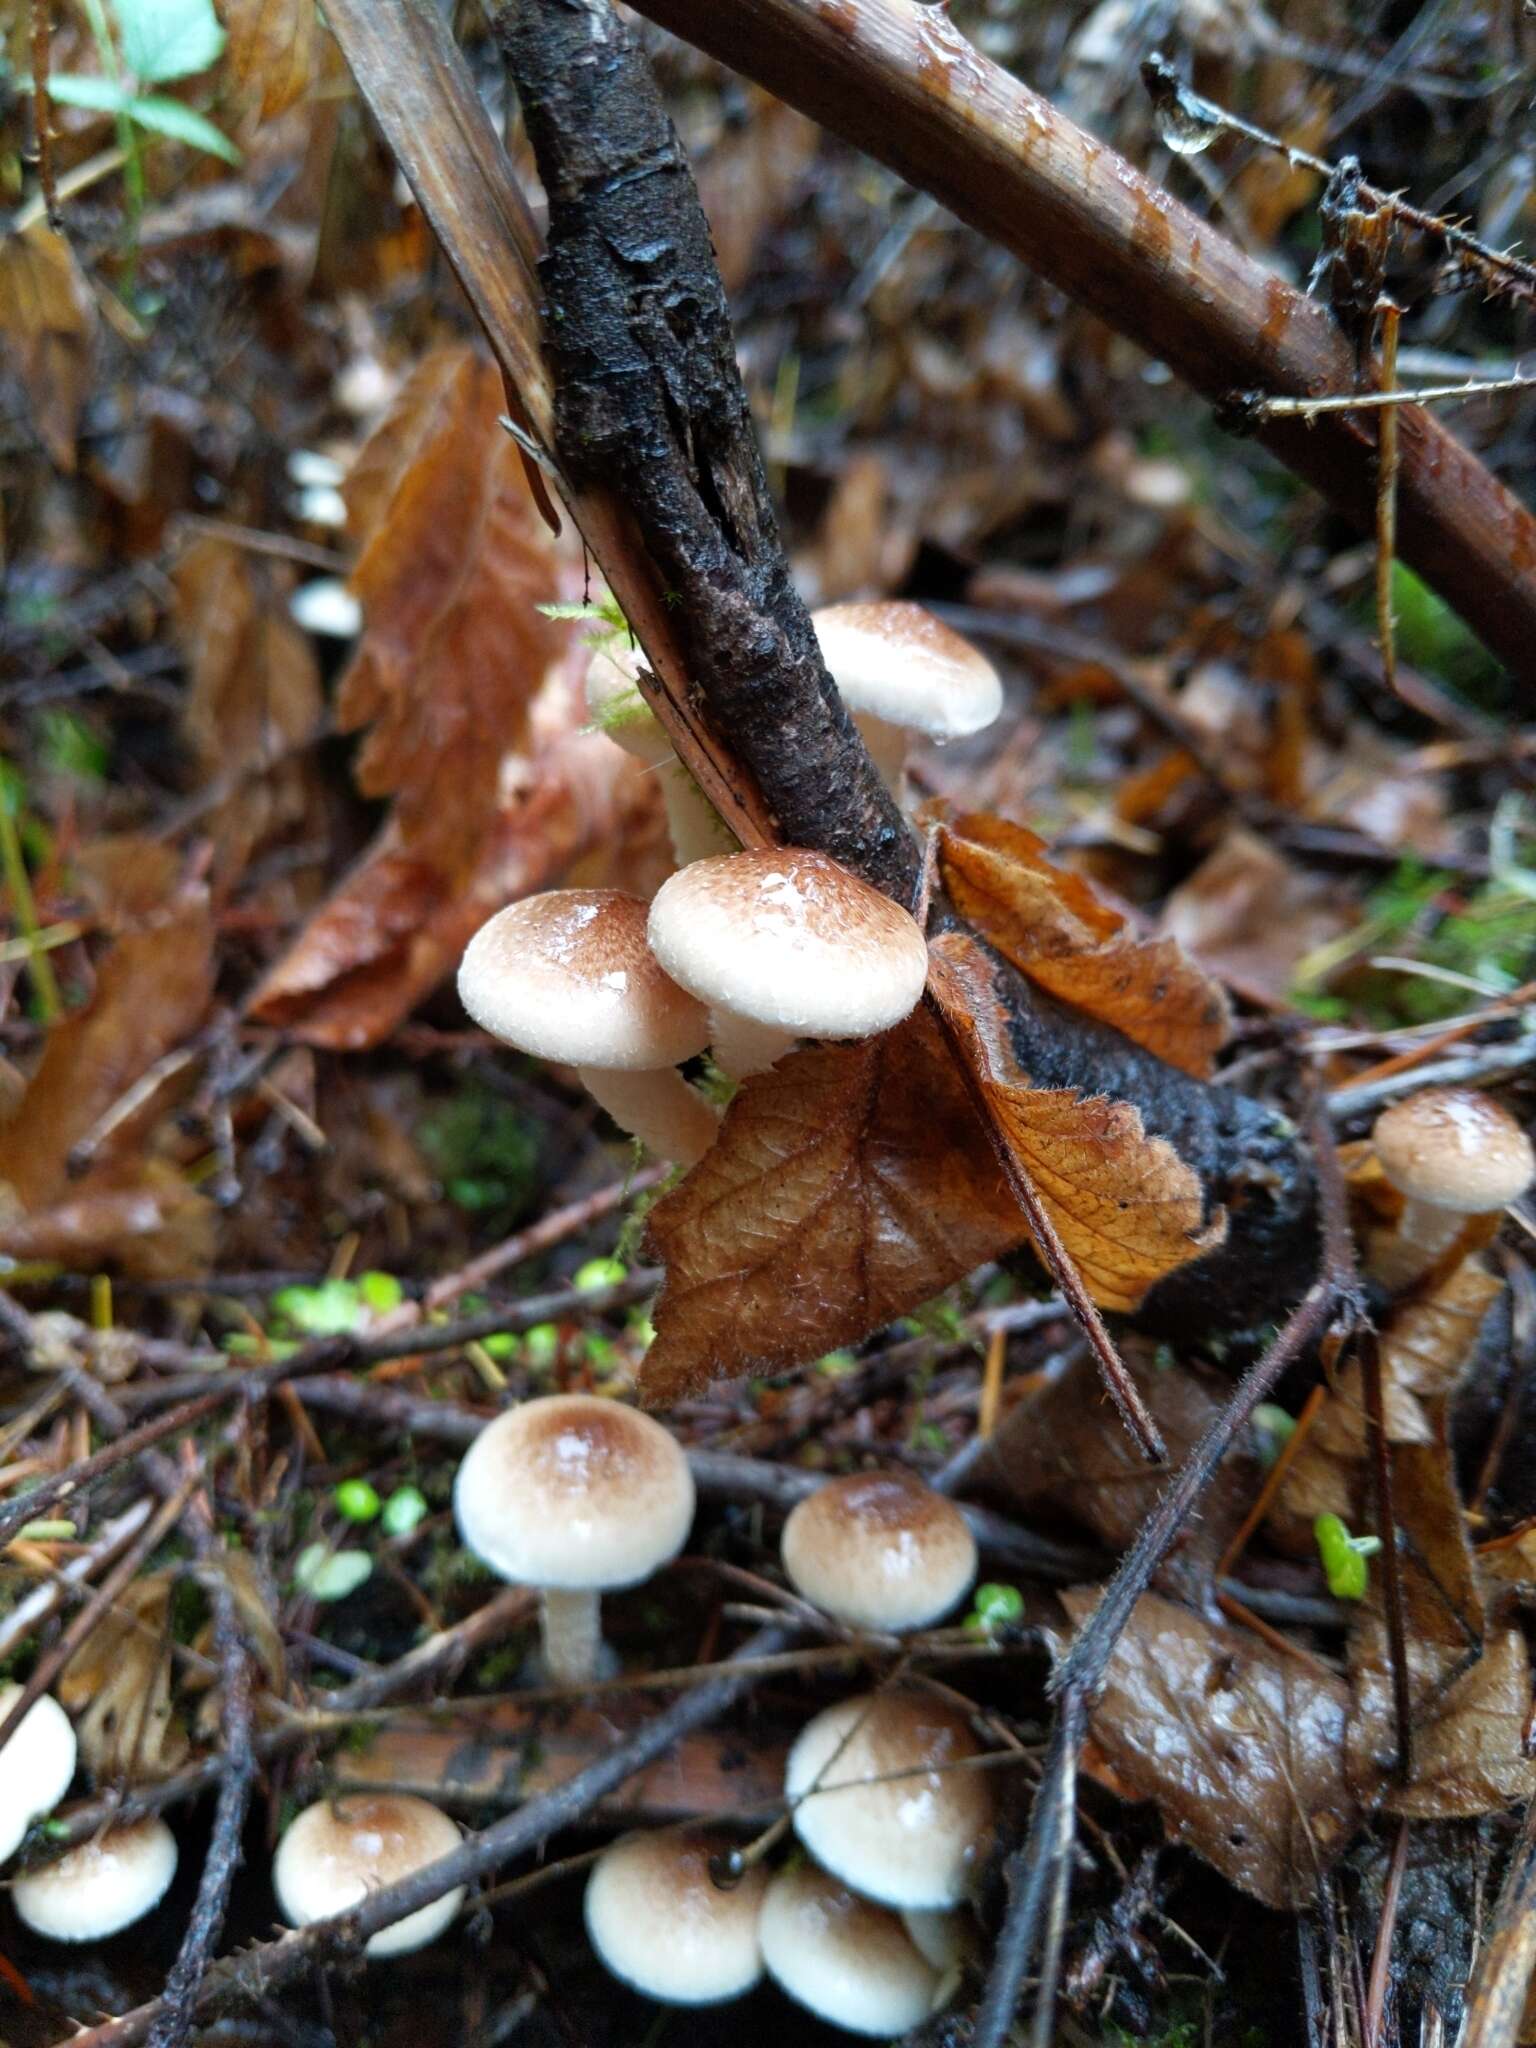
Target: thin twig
1384, 401
1386, 496
268, 1965
1391, 1561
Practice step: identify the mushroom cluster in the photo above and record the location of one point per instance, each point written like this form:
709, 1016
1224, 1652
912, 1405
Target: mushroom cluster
866, 1927
743, 952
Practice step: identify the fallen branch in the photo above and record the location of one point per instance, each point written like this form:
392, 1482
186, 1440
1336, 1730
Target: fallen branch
900, 81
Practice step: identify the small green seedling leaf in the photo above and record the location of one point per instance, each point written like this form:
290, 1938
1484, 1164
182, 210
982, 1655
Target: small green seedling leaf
329, 1310
182, 123
164, 39
406, 1506
331, 1575
597, 1274
379, 1292
541, 1346
1344, 1557
994, 1608
357, 1500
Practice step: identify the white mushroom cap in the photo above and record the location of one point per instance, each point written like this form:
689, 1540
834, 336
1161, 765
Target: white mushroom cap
897, 662
885, 1817
847, 1960
339, 1850
36, 1765
101, 1886
573, 1492
569, 976
787, 937
1453, 1149
660, 1923
879, 1550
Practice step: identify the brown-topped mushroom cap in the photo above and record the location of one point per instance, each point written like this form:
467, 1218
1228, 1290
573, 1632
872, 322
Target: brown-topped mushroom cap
1451, 1148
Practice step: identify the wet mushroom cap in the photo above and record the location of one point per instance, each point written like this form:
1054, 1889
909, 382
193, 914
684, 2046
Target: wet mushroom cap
894, 660
1451, 1148
340, 1850
569, 976
100, 1886
789, 938
843, 1957
574, 1493
888, 1815
660, 1922
36, 1765
879, 1550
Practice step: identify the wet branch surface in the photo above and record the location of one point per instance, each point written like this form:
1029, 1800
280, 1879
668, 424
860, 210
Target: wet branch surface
648, 401
896, 79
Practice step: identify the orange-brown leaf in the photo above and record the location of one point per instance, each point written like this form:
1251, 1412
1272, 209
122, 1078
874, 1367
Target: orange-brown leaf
1128, 1210
848, 1185
273, 48
455, 561
254, 699
1241, 1747
1052, 925
48, 321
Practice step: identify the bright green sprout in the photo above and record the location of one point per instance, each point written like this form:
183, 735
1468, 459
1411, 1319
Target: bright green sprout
541, 1346
994, 1607
406, 1506
357, 1500
1344, 1557
597, 1274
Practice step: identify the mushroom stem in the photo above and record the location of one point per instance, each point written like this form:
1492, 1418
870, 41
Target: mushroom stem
570, 1625
1423, 1232
659, 1108
696, 828
743, 1047
887, 746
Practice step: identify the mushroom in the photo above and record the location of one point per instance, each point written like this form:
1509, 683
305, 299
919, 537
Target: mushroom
36, 1765
576, 1496
1451, 1153
876, 1799
568, 976
900, 670
100, 1886
879, 1550
782, 943
613, 698
843, 1958
661, 1924
940, 1938
340, 1850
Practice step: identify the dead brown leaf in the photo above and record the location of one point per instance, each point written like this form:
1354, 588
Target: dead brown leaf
254, 698
48, 319
1241, 1747
118, 1685
1067, 1449
1251, 916
1425, 1343
1054, 928
273, 49
153, 987
1125, 1206
848, 1185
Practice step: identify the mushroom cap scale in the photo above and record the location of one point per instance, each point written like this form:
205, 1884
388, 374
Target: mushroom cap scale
574, 1493
569, 976
844, 1958
338, 1851
894, 660
36, 1765
661, 1924
101, 1886
787, 937
888, 1815
879, 1550
1454, 1149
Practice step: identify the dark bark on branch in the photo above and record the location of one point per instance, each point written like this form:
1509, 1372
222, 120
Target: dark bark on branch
899, 81
648, 402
